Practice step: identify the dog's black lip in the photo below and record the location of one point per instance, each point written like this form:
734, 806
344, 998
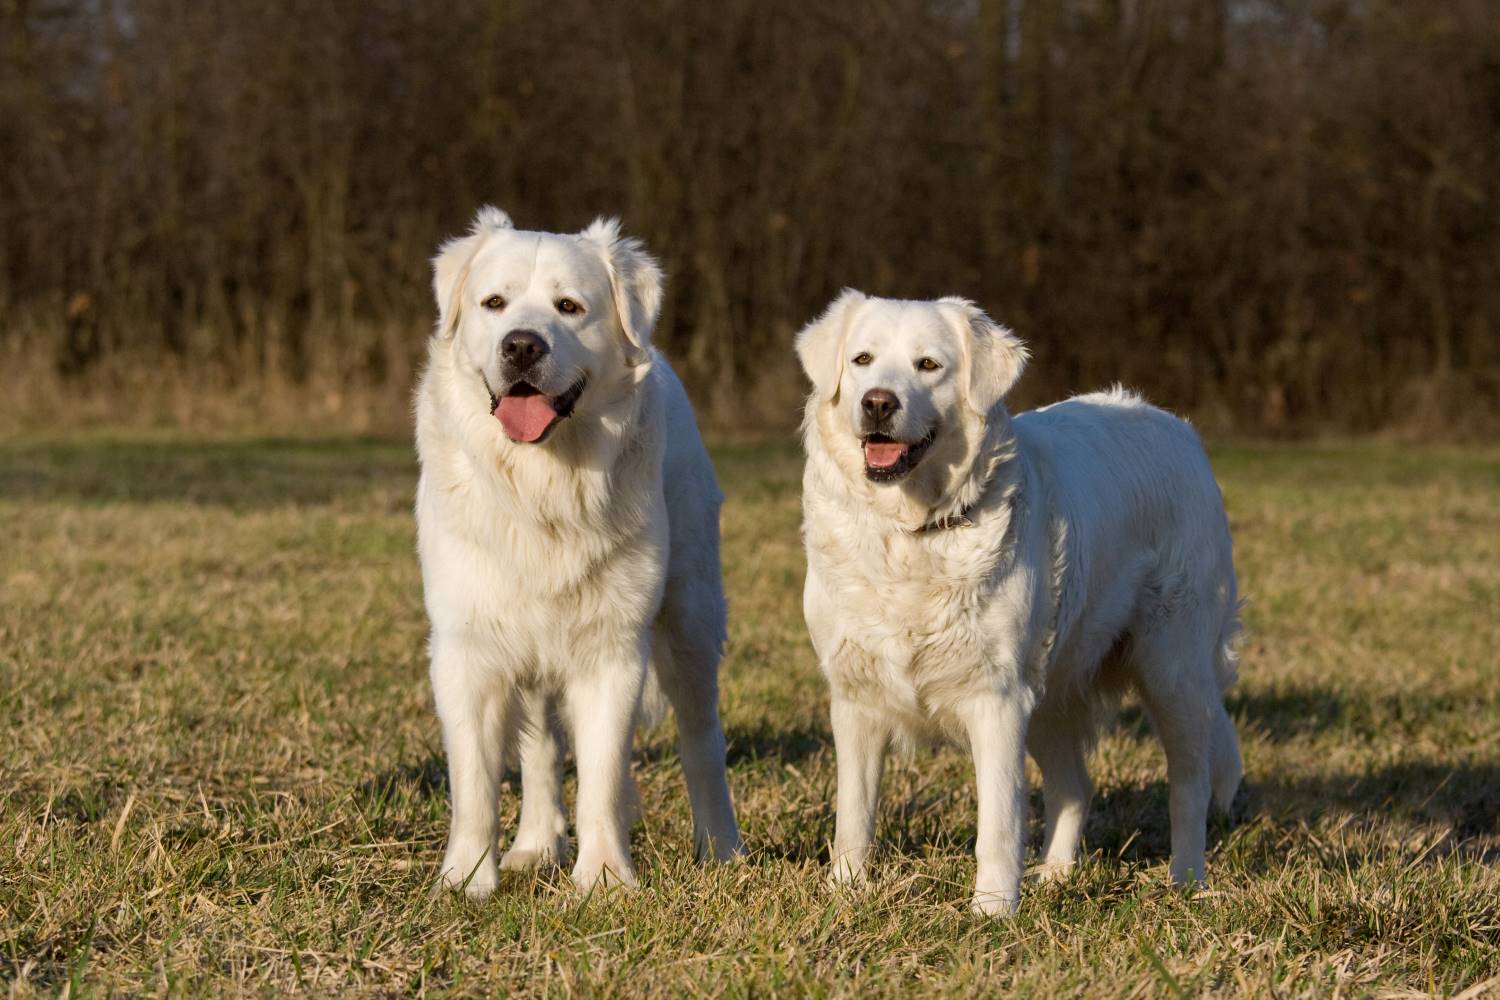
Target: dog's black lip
914, 453
562, 404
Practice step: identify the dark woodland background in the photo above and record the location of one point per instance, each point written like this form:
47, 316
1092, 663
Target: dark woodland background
1274, 215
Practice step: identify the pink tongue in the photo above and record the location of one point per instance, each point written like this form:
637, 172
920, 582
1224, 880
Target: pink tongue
883, 454
525, 418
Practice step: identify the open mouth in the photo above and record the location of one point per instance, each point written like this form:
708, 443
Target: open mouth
887, 460
528, 415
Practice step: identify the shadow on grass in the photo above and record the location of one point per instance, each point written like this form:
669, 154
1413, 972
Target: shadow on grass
425, 780
1289, 712
1131, 822
243, 474
1285, 714
1463, 796
429, 777
768, 742
1126, 822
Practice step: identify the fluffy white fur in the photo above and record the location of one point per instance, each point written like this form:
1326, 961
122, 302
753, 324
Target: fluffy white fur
1086, 550
557, 574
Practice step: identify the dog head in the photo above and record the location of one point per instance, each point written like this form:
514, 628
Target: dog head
555, 325
907, 378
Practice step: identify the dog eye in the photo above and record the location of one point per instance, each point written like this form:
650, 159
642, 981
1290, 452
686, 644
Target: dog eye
568, 307
928, 365
863, 358
494, 302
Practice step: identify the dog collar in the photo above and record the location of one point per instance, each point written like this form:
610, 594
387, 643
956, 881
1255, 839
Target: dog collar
945, 523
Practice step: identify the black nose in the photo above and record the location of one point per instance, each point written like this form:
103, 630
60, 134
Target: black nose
523, 348
879, 404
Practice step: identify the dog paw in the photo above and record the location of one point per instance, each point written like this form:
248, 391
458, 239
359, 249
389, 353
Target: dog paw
848, 872
477, 881
723, 847
597, 876
995, 904
522, 859
1054, 871
526, 855
1187, 874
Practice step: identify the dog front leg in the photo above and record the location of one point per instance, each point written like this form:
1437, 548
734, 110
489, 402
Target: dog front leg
473, 718
996, 726
601, 708
860, 739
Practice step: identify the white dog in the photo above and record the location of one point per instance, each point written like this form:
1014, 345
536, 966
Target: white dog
999, 579
569, 536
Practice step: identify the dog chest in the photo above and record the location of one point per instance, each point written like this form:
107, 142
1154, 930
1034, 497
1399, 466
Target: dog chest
915, 644
531, 594
925, 620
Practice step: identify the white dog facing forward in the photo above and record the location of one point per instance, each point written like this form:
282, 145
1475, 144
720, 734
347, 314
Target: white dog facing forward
568, 532
999, 580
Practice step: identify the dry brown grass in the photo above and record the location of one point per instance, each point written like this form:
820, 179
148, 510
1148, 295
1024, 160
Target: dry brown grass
223, 771
214, 387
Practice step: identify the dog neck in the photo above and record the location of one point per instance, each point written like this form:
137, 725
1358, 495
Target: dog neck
986, 471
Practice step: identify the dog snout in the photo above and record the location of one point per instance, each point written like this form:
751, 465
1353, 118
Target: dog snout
879, 405
523, 348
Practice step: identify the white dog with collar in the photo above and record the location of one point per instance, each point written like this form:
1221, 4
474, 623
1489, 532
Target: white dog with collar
1000, 580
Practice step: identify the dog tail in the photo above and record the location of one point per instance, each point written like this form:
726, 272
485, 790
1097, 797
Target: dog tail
1226, 767
654, 702
1227, 651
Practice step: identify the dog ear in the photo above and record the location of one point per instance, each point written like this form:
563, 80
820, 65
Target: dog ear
820, 344
636, 281
450, 268
993, 355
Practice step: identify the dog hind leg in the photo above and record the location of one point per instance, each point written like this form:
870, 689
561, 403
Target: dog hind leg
1175, 678
1058, 739
687, 668
542, 833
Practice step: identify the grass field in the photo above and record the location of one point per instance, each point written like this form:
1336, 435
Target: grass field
222, 771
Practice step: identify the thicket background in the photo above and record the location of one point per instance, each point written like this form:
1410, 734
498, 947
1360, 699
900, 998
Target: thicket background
1275, 215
